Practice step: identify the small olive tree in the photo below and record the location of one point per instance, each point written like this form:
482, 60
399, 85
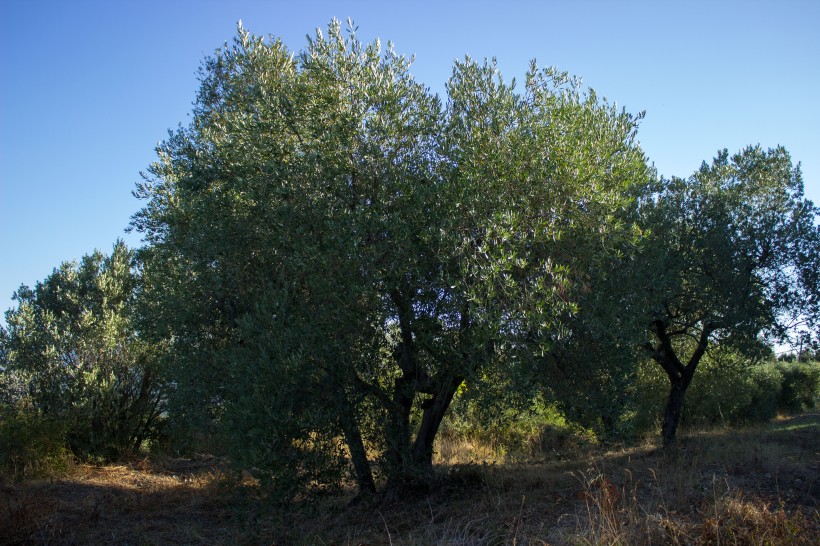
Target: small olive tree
733, 259
72, 355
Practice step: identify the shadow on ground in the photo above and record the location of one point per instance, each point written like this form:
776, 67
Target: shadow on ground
757, 482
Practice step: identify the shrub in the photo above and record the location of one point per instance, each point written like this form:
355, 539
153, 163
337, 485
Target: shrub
728, 389
800, 388
513, 432
31, 445
764, 384
73, 351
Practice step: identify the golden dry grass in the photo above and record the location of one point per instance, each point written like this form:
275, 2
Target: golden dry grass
165, 502
751, 486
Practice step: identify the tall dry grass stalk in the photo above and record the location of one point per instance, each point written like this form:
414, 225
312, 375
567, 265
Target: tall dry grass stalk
683, 500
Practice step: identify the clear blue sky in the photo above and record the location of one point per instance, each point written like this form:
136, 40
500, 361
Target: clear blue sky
88, 88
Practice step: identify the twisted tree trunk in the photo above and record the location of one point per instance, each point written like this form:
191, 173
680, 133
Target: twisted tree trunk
680, 375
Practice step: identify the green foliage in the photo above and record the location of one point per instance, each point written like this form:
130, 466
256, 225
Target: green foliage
282, 405
730, 389
74, 356
739, 243
332, 249
31, 445
593, 387
334, 252
534, 431
800, 387
733, 258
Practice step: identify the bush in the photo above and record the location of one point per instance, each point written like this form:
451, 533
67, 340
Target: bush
732, 391
31, 446
800, 388
727, 389
73, 352
512, 432
765, 384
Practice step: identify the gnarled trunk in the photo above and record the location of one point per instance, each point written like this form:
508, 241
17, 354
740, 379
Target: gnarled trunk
410, 460
399, 444
434, 411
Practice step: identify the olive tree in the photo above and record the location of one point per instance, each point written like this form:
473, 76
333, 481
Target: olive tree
333, 250
73, 355
733, 259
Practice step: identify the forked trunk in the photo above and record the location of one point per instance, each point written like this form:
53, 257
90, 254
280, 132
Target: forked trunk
430, 423
680, 376
411, 461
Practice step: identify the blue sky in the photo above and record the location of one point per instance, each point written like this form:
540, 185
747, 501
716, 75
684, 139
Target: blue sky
87, 89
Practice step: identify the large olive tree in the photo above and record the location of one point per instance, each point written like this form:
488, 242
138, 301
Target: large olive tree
332, 250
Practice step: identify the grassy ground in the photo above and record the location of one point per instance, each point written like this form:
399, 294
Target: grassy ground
751, 486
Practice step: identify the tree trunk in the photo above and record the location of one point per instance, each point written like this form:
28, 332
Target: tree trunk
680, 376
358, 455
399, 458
353, 438
431, 421
410, 463
401, 465
679, 382
672, 412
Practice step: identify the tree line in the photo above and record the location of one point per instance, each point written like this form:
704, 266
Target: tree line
333, 253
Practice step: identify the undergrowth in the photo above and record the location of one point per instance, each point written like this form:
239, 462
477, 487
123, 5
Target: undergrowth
745, 486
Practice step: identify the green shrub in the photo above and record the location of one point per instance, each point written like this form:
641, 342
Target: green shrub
73, 351
727, 389
513, 432
731, 390
653, 388
31, 446
765, 384
801, 386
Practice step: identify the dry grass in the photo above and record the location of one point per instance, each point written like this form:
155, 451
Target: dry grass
752, 486
143, 502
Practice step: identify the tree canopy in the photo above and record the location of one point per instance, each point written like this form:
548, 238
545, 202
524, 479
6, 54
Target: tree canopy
334, 253
334, 250
72, 351
734, 259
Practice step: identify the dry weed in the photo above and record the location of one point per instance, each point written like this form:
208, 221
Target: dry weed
753, 486
738, 520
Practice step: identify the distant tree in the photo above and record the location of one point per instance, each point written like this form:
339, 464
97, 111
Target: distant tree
72, 354
733, 259
332, 250
807, 348
11, 389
